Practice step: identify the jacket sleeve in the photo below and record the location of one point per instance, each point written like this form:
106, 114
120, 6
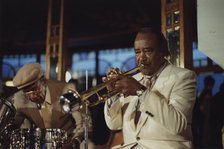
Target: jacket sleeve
113, 114
78, 132
173, 112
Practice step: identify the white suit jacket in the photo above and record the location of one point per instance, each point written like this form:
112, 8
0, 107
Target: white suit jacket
166, 112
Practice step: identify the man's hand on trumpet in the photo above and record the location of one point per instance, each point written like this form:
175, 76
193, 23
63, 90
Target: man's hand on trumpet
127, 85
124, 84
112, 73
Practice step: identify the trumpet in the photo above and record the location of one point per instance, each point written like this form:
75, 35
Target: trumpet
72, 100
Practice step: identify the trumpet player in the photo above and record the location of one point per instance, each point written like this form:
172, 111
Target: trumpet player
154, 107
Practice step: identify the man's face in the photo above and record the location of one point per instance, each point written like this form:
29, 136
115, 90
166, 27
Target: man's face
35, 92
147, 52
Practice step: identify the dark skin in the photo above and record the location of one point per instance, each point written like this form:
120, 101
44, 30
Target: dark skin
147, 52
36, 92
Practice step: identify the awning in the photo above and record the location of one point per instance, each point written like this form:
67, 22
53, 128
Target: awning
210, 20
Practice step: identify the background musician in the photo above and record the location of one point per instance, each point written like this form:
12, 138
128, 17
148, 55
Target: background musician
37, 104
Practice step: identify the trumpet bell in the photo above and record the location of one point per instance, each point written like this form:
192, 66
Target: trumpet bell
70, 101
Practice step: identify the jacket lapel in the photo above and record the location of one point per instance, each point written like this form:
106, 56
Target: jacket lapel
130, 112
53, 100
143, 118
163, 78
160, 82
54, 95
35, 116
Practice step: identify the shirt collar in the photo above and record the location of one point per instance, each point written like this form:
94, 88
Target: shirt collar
48, 96
156, 74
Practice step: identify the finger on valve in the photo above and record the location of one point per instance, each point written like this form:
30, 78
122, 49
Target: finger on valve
113, 73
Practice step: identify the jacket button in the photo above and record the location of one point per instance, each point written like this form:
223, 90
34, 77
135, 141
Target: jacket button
138, 138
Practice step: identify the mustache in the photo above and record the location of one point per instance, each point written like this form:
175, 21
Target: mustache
144, 63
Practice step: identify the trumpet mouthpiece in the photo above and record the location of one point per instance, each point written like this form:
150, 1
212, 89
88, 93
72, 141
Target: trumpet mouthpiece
141, 65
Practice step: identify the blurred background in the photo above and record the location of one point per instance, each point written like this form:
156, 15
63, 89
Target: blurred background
79, 39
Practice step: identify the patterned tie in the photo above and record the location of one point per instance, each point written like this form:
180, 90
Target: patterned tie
148, 83
137, 113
